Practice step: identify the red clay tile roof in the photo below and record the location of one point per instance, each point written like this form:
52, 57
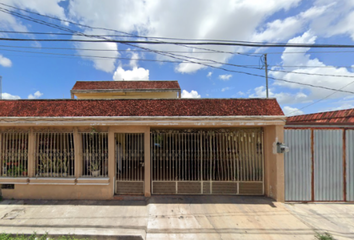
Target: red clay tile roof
140, 107
120, 85
340, 116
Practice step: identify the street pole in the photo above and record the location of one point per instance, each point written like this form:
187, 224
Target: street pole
266, 74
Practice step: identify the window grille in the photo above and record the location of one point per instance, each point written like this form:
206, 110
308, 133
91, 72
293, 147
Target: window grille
14, 154
54, 155
95, 154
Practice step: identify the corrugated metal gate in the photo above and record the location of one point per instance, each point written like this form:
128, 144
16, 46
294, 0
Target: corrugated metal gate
218, 161
319, 165
298, 165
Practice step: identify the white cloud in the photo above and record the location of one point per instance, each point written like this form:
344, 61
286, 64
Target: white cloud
191, 94
190, 19
5, 62
225, 89
283, 29
36, 95
282, 97
46, 7
102, 60
311, 66
9, 96
136, 74
241, 93
209, 74
290, 111
225, 77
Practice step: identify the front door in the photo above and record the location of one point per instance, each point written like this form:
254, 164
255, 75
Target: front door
129, 159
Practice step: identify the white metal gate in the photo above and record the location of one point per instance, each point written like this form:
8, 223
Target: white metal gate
218, 161
129, 156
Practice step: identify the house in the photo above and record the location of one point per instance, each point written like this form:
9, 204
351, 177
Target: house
139, 137
320, 163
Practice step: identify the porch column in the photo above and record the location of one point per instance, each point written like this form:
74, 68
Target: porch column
31, 152
78, 153
111, 163
273, 163
147, 163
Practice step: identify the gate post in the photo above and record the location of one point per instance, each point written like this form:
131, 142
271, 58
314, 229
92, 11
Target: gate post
31, 152
78, 150
111, 162
147, 164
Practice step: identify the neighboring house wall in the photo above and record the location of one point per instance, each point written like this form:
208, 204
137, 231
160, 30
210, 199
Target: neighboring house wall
126, 95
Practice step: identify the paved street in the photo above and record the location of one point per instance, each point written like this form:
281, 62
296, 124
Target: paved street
175, 217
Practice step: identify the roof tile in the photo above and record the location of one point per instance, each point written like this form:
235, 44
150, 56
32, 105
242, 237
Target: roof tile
139, 107
105, 85
340, 116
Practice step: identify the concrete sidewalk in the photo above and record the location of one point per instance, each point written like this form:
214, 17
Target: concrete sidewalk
335, 218
165, 217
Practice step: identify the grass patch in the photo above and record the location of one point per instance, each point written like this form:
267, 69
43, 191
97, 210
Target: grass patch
35, 236
324, 236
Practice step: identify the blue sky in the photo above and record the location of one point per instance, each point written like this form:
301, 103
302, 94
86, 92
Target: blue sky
45, 75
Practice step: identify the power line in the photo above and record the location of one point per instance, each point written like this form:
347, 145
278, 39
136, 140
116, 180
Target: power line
118, 50
79, 33
321, 99
124, 36
299, 66
181, 43
169, 61
314, 74
129, 43
229, 70
216, 43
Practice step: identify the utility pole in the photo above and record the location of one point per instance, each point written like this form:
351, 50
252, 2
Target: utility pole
266, 74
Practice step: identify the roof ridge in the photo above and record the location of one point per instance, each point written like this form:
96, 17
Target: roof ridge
137, 99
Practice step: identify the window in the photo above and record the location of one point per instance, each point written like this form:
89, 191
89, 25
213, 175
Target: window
14, 154
95, 154
54, 155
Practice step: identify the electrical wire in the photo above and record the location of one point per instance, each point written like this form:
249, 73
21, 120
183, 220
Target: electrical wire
320, 99
131, 43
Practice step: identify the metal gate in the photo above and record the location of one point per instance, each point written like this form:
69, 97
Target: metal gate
350, 164
298, 165
319, 165
129, 156
218, 161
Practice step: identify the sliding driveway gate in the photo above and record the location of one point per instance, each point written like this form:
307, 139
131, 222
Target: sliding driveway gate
320, 165
218, 161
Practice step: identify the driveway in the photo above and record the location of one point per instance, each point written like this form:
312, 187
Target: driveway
173, 217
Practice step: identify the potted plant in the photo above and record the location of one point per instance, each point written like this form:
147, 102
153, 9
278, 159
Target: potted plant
11, 163
95, 168
45, 165
65, 167
16, 171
